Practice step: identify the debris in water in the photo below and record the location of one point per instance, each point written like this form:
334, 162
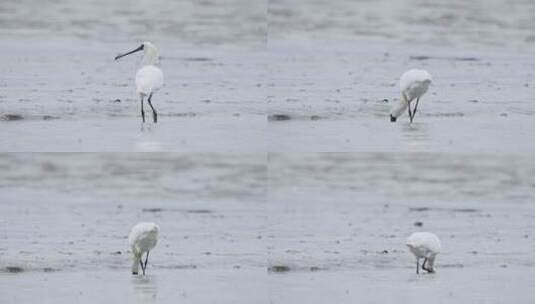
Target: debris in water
278, 117
279, 268
11, 117
14, 269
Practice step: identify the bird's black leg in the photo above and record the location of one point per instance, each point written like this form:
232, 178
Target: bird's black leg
415, 108
417, 266
154, 114
142, 112
409, 110
142, 268
146, 260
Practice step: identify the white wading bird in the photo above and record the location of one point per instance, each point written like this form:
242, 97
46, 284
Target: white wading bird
413, 85
424, 245
142, 238
149, 77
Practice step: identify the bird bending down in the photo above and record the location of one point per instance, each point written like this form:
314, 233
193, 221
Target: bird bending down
413, 85
149, 77
424, 245
143, 237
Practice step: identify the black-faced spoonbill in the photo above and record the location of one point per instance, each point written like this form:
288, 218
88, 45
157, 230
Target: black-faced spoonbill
424, 245
413, 84
143, 237
149, 77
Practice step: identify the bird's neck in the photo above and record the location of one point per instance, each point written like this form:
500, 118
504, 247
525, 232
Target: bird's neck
151, 57
135, 265
399, 108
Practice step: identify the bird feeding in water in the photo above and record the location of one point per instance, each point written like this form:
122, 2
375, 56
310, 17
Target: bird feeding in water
413, 85
424, 245
143, 237
149, 77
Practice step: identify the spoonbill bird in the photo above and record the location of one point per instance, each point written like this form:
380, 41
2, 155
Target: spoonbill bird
413, 84
424, 245
143, 237
149, 77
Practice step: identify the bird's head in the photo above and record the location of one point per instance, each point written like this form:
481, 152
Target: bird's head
150, 53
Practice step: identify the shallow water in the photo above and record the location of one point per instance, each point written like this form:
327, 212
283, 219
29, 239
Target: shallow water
331, 68
474, 25
337, 98
212, 101
388, 286
249, 211
336, 222
229, 23
167, 286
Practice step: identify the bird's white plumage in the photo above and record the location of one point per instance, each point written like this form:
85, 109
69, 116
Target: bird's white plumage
424, 245
149, 79
142, 238
413, 84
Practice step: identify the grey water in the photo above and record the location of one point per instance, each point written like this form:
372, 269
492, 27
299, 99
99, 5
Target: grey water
249, 210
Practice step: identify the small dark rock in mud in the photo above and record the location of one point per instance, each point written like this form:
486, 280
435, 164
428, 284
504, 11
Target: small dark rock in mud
316, 117
49, 117
152, 210
383, 252
444, 58
50, 269
117, 100
504, 115
11, 117
419, 58
465, 210
279, 268
117, 253
418, 224
315, 268
204, 211
466, 59
191, 266
14, 269
278, 117
186, 114
419, 209
49, 167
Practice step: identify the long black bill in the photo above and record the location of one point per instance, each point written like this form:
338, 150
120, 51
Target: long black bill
140, 48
